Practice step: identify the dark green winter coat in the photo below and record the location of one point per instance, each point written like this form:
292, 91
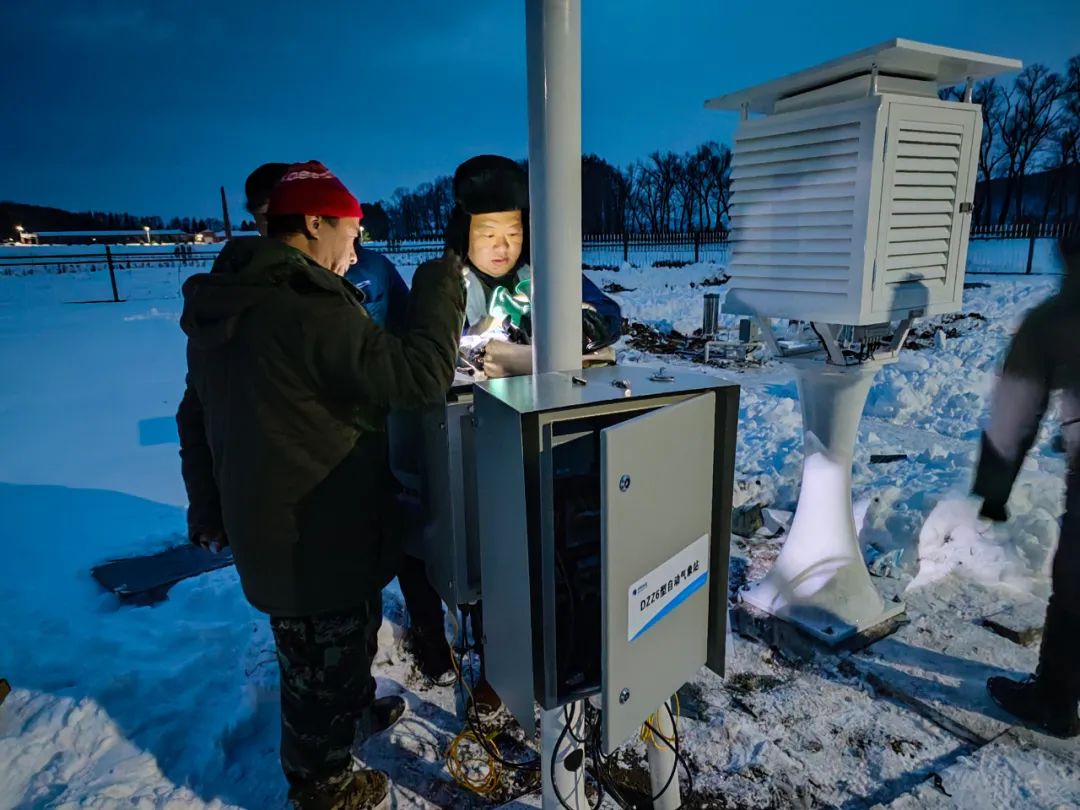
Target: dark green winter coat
282, 426
1042, 358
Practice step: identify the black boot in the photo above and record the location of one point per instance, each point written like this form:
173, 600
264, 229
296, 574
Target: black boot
1048, 700
1036, 705
348, 790
385, 712
430, 650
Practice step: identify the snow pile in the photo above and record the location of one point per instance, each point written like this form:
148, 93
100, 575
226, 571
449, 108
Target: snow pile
955, 541
176, 705
1011, 256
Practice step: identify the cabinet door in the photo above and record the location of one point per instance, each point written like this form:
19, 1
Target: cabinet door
657, 498
922, 237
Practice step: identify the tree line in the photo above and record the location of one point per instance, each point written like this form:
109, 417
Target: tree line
1029, 171
1030, 127
663, 193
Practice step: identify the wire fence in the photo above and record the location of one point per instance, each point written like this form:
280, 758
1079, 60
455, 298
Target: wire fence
597, 250
136, 272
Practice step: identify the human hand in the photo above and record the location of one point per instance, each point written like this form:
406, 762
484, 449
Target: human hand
502, 359
213, 540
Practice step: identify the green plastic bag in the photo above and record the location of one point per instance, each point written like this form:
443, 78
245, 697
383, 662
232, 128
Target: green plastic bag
514, 306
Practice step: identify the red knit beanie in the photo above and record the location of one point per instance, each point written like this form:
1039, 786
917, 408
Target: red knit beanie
310, 188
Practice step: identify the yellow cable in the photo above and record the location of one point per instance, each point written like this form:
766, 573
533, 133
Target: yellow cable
647, 735
458, 761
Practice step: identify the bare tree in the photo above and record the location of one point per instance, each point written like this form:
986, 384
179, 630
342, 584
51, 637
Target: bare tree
713, 162
441, 203
649, 197
1065, 160
1030, 120
667, 169
720, 169
988, 95
632, 180
624, 190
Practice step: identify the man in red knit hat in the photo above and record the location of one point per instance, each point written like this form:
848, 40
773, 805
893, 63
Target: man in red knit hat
284, 455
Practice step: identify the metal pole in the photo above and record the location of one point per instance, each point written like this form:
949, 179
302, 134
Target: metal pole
553, 54
112, 275
663, 773
225, 214
1031, 248
553, 50
559, 759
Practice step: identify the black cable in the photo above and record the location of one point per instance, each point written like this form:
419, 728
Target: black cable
675, 767
472, 719
568, 719
605, 784
554, 784
679, 759
607, 780
603, 775
477, 729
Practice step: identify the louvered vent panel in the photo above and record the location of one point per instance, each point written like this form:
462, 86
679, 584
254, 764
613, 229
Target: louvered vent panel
793, 209
923, 202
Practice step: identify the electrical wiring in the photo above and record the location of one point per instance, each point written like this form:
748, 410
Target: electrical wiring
459, 762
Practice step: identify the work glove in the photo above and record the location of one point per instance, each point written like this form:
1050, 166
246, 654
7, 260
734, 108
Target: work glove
213, 540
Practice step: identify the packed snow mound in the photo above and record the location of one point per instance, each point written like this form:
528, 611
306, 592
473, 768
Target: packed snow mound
954, 540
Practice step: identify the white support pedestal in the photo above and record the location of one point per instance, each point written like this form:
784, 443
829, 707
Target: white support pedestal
662, 764
820, 582
568, 785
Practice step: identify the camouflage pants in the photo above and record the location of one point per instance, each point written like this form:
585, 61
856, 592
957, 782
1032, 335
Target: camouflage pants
326, 687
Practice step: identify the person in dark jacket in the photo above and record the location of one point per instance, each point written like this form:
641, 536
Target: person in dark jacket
386, 296
1042, 358
283, 452
489, 227
257, 190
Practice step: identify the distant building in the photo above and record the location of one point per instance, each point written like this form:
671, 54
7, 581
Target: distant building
105, 237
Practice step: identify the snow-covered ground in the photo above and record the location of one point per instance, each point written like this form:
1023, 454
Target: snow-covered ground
175, 706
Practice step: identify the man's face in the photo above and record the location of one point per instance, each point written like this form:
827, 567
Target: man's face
495, 241
336, 243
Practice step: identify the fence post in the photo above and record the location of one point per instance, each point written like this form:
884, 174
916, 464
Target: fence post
626, 245
697, 246
1031, 248
112, 275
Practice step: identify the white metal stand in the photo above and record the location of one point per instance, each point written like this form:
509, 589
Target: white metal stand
553, 51
569, 783
820, 581
662, 765
553, 54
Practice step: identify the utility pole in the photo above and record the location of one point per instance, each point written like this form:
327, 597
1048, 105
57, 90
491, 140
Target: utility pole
225, 214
